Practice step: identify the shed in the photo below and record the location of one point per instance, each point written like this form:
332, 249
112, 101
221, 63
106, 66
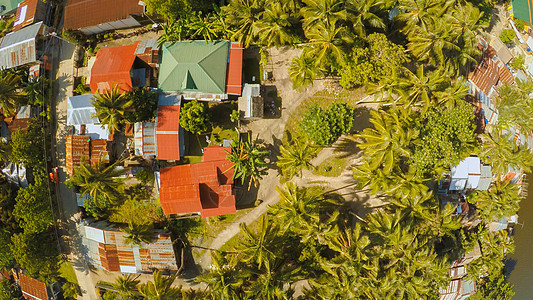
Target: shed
30, 12
105, 248
251, 101
20, 47
95, 16
501, 50
145, 144
82, 115
466, 174
32, 289
169, 134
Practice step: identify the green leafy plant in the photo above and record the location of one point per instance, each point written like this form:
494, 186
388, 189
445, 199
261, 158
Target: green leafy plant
520, 24
507, 35
324, 126
517, 63
194, 117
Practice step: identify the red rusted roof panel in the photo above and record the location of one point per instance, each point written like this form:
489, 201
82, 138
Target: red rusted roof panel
234, 78
32, 288
112, 67
77, 148
29, 12
81, 14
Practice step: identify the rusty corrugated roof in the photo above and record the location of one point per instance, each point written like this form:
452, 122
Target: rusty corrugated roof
167, 132
29, 12
32, 288
112, 67
77, 148
204, 188
234, 78
81, 14
99, 150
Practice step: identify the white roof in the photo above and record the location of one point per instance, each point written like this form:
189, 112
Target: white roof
466, 174
80, 110
94, 234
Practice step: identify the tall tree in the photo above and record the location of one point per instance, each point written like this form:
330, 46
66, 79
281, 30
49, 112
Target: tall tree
363, 15
275, 27
194, 117
327, 43
503, 152
248, 158
317, 12
137, 234
295, 157
10, 96
98, 180
111, 106
303, 70
125, 287
161, 288
502, 200
225, 281
244, 15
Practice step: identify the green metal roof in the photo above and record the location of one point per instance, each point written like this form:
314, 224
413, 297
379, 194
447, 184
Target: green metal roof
194, 66
523, 9
9, 5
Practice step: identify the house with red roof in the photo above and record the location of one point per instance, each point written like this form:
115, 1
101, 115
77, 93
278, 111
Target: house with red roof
169, 134
95, 16
32, 289
30, 12
205, 188
124, 66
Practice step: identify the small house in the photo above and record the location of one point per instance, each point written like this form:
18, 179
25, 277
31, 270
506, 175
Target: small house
118, 66
502, 223
96, 16
30, 12
105, 247
31, 288
469, 174
201, 70
144, 141
81, 114
204, 188
24, 47
8, 7
82, 148
251, 104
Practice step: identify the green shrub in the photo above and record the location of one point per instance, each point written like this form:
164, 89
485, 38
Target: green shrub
507, 35
324, 126
517, 63
520, 25
145, 176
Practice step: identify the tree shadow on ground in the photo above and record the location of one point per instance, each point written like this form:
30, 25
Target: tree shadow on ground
244, 197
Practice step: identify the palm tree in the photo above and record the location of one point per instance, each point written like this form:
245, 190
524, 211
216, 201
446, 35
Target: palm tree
125, 287
464, 19
419, 13
318, 12
455, 92
388, 142
137, 234
274, 28
248, 160
303, 70
244, 15
203, 27
515, 106
362, 17
10, 97
295, 157
110, 107
259, 247
161, 288
502, 153
98, 180
502, 200
37, 91
225, 281
326, 44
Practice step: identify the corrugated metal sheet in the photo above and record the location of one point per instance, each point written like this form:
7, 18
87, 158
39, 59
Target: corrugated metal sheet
77, 148
80, 110
29, 12
145, 143
32, 288
501, 50
486, 75
234, 77
109, 257
168, 143
199, 188
505, 74
148, 51
19, 48
95, 234
194, 66
99, 150
81, 14
112, 67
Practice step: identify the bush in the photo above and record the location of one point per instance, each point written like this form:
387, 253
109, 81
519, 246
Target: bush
145, 176
517, 63
520, 25
325, 126
194, 117
507, 35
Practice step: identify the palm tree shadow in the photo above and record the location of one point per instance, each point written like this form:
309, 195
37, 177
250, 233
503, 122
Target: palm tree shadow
244, 197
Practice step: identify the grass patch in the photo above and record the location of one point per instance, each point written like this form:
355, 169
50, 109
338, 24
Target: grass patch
67, 271
192, 159
323, 99
331, 167
219, 134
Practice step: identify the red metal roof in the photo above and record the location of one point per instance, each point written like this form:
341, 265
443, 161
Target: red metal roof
99, 151
234, 78
204, 188
32, 288
29, 12
77, 148
109, 257
112, 67
81, 14
167, 132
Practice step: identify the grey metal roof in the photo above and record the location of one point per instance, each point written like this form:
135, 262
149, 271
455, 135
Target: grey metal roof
80, 110
486, 178
169, 99
19, 47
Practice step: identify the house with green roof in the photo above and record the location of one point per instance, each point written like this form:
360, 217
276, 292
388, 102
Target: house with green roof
523, 10
8, 6
201, 70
